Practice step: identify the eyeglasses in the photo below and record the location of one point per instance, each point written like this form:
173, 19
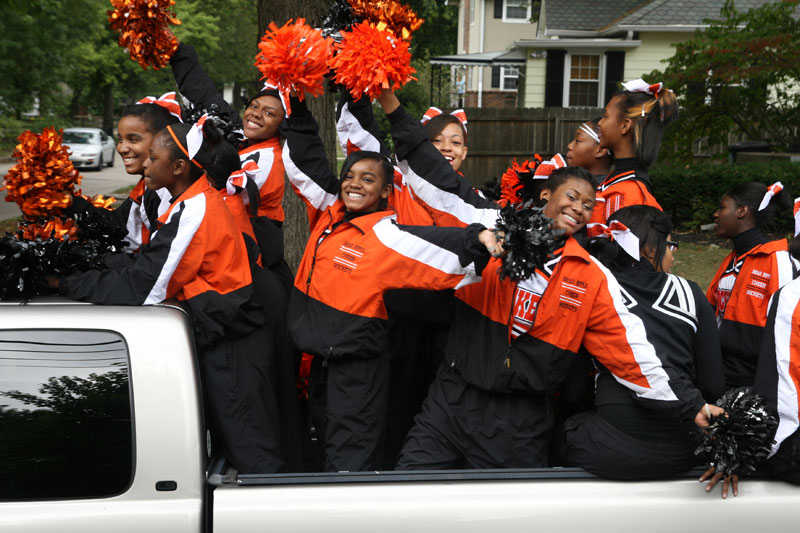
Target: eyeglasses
672, 245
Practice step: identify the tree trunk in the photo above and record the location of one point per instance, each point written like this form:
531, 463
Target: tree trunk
295, 229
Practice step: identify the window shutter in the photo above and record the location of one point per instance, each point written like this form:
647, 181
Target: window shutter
498, 9
554, 79
496, 77
615, 69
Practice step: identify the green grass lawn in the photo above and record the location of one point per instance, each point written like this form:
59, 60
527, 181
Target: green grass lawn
698, 261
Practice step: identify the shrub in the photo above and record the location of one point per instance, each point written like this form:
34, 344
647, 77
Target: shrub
691, 193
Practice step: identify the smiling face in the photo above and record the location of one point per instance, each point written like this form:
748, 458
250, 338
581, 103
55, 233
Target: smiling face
363, 186
569, 205
614, 126
262, 118
451, 144
133, 143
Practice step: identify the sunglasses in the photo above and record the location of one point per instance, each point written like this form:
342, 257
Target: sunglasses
672, 245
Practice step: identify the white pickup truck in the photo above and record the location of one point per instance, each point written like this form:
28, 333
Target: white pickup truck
101, 430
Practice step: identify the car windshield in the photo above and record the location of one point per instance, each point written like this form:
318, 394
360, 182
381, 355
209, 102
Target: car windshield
81, 137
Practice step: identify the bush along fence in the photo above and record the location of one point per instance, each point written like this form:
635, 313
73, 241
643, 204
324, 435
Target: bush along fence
691, 193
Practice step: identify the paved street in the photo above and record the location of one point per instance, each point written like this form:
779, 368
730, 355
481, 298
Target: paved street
105, 182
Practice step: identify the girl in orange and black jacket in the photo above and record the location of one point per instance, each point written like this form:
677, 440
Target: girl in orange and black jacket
261, 150
631, 128
747, 278
356, 252
138, 125
512, 343
198, 256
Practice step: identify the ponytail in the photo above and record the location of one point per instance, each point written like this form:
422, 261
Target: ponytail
650, 114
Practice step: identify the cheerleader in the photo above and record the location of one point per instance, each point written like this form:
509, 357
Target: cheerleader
355, 254
512, 344
260, 151
585, 151
621, 439
631, 128
747, 278
136, 129
198, 256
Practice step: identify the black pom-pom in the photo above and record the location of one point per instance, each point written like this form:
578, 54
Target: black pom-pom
225, 122
340, 17
739, 442
529, 240
26, 261
492, 190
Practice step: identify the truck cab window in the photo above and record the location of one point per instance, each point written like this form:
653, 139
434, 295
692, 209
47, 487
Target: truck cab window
65, 414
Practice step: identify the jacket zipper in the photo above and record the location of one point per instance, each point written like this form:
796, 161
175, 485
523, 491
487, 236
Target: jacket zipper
325, 233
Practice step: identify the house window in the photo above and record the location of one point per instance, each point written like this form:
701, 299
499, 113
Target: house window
516, 10
584, 80
509, 77
505, 78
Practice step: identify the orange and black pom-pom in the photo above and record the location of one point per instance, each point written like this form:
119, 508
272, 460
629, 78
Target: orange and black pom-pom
399, 18
142, 27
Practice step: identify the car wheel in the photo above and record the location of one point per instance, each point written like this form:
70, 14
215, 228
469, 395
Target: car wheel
111, 163
99, 166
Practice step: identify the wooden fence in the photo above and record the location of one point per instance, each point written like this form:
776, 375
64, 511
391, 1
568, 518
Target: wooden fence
497, 136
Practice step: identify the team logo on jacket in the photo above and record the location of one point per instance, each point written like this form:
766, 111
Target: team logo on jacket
676, 300
347, 259
724, 288
757, 284
573, 291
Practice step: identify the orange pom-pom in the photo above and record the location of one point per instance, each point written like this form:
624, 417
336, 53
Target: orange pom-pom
99, 200
142, 27
371, 59
399, 18
43, 179
516, 179
294, 57
63, 229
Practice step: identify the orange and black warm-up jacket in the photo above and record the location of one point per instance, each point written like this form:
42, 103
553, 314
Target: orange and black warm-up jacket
337, 306
626, 185
778, 375
741, 305
196, 256
573, 301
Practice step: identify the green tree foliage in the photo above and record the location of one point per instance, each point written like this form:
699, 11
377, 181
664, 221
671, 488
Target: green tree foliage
63, 52
73, 437
741, 74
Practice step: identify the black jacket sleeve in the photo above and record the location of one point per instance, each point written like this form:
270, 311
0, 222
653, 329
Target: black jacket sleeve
195, 84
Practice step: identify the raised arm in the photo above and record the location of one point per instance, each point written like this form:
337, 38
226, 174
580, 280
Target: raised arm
194, 83
356, 126
443, 190
306, 164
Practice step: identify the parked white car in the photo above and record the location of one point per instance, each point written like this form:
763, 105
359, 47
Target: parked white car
89, 147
